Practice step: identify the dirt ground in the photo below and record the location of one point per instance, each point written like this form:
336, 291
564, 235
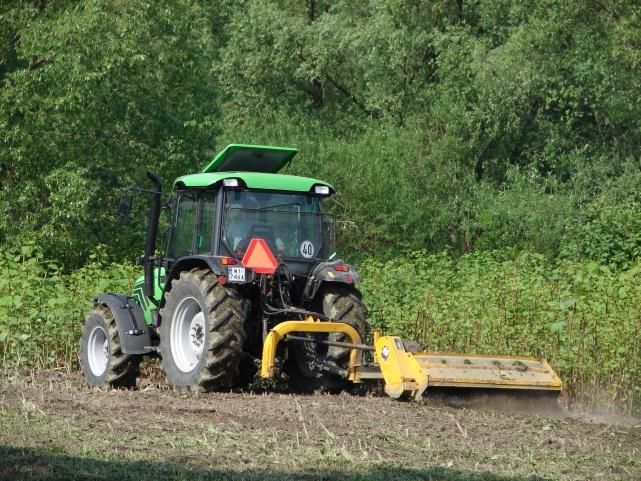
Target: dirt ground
54, 427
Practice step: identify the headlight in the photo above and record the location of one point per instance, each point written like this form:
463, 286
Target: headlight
321, 190
230, 182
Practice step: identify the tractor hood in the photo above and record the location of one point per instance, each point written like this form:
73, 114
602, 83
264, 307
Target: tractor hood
251, 158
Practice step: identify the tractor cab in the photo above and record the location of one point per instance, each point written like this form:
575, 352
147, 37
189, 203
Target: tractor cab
218, 214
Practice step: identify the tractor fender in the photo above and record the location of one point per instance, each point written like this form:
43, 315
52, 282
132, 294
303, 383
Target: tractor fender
193, 262
190, 262
210, 262
135, 337
325, 272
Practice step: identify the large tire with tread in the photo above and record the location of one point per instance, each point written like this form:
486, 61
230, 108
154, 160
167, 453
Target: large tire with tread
202, 332
341, 303
101, 358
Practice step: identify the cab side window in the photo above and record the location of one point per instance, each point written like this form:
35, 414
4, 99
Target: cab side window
182, 238
207, 219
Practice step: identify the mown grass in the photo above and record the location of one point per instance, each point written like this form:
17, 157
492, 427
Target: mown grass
49, 465
55, 428
58, 448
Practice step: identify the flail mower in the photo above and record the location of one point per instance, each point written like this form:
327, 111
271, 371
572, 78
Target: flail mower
247, 284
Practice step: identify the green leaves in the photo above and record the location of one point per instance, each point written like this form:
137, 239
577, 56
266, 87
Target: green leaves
582, 317
41, 313
99, 93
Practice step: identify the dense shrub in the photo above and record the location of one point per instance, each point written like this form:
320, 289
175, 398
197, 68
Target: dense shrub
458, 125
42, 309
582, 316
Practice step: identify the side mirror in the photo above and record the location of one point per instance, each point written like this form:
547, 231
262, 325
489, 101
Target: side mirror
124, 208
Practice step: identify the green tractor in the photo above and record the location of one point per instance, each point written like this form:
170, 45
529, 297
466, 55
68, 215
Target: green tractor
247, 249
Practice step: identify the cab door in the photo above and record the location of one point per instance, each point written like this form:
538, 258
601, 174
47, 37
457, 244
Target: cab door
194, 224
181, 240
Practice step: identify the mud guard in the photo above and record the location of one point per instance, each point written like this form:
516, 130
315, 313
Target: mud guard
135, 337
211, 262
325, 272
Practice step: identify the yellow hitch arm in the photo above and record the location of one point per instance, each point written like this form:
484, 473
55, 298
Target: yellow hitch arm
310, 324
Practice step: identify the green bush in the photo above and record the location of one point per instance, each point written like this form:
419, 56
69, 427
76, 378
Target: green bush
42, 309
607, 229
583, 317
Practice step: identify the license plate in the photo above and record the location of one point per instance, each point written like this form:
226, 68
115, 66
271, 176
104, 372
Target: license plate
236, 274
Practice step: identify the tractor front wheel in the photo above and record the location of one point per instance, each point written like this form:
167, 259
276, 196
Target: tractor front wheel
101, 359
202, 332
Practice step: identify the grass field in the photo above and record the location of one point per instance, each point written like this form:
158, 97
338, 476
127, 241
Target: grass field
55, 428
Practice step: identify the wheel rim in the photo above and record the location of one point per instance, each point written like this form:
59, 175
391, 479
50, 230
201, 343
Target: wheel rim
98, 351
187, 336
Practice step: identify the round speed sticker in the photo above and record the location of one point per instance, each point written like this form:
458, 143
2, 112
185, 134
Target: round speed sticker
307, 249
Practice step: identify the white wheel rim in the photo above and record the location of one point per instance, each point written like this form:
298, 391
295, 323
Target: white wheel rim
98, 351
187, 336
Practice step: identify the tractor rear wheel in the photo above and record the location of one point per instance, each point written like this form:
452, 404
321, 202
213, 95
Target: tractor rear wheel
341, 303
101, 359
202, 332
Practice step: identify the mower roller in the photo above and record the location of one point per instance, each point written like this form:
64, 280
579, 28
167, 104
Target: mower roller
245, 282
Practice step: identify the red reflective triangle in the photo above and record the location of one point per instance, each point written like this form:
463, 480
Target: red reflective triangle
259, 257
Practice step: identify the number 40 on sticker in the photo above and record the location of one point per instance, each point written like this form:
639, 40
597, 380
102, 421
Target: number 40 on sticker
307, 249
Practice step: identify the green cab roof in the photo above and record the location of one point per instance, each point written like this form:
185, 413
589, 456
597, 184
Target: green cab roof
251, 158
255, 166
252, 180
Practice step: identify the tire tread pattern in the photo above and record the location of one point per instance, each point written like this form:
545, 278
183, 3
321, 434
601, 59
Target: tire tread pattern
341, 303
227, 311
123, 369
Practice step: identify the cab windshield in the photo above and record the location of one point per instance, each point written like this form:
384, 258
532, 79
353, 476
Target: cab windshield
293, 225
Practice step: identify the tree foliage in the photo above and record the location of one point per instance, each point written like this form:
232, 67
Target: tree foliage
96, 93
460, 125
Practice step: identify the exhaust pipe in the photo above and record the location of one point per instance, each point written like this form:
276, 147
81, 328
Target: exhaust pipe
152, 233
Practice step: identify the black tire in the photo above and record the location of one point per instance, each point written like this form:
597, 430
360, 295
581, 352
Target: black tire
224, 313
341, 303
120, 370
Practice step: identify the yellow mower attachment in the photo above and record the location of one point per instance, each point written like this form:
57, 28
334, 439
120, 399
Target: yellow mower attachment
408, 374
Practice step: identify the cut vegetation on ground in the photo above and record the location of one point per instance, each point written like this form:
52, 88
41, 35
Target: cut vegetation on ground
54, 428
